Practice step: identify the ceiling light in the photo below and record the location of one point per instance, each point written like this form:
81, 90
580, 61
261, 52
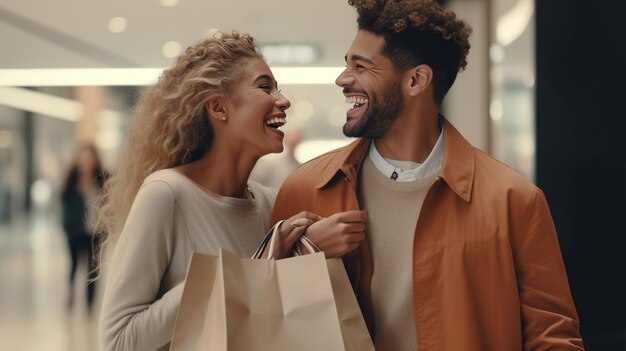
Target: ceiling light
171, 49
496, 53
63, 77
46, 104
512, 24
496, 110
144, 76
117, 24
290, 53
169, 3
306, 75
41, 192
108, 139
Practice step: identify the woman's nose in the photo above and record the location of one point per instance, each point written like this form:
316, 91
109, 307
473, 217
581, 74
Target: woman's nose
282, 102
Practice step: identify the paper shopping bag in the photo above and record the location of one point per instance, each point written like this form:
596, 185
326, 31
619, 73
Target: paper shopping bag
301, 303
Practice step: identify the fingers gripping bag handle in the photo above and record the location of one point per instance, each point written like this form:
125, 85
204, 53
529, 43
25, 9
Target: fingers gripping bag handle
270, 238
307, 244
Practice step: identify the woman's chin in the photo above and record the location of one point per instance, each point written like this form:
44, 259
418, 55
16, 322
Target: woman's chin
273, 149
278, 150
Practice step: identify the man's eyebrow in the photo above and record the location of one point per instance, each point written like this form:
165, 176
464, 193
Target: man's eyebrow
263, 76
356, 57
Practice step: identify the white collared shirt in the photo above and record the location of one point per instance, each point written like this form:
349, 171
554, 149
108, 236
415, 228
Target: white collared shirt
407, 171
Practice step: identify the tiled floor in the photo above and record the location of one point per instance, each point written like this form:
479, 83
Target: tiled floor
34, 313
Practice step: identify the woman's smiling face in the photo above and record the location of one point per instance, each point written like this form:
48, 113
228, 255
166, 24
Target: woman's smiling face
255, 109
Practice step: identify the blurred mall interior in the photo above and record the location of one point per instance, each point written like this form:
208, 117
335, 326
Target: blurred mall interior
543, 93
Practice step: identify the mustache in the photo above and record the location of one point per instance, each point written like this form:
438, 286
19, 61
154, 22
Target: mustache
350, 90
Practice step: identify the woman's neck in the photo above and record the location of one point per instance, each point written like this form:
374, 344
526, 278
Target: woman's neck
222, 171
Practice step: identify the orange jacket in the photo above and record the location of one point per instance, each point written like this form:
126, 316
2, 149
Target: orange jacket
487, 268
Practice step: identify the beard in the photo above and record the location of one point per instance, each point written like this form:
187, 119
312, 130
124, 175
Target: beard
379, 116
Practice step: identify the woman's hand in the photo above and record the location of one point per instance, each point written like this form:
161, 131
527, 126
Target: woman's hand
288, 234
338, 234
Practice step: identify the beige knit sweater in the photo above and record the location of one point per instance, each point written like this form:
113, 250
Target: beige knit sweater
170, 218
393, 208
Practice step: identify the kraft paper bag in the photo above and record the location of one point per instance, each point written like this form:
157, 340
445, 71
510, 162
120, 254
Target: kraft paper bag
303, 303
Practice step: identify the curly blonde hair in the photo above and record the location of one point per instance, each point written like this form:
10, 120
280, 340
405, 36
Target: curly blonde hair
171, 125
418, 32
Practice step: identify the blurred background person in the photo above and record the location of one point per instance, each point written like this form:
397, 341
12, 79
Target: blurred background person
82, 187
5, 193
272, 170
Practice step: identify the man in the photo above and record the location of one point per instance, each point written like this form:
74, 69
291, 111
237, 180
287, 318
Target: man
460, 252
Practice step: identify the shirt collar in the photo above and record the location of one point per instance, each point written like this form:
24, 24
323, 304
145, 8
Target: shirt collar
457, 167
394, 169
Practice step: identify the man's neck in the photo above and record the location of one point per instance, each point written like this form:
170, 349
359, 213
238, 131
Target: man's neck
411, 138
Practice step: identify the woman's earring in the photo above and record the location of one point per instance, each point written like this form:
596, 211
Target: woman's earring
223, 118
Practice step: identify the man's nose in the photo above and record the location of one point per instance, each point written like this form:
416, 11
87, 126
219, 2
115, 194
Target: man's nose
344, 79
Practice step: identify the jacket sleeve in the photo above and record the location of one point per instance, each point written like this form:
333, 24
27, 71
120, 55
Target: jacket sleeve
136, 315
549, 318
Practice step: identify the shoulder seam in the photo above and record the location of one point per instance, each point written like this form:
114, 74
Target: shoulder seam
177, 206
161, 181
491, 157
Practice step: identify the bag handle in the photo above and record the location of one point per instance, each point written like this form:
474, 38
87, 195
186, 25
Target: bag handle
270, 238
267, 239
308, 244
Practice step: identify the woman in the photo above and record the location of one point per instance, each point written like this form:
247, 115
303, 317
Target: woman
197, 135
82, 186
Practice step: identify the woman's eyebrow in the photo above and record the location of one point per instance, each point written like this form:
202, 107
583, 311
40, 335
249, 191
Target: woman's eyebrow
262, 77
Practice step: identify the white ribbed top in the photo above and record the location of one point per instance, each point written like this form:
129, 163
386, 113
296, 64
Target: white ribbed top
171, 217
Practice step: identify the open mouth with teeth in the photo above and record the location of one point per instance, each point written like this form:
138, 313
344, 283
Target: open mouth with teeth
356, 101
275, 122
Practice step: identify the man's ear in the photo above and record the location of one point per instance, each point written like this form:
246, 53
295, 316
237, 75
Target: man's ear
418, 79
216, 108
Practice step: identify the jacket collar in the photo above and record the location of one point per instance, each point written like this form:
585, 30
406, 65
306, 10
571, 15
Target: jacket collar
458, 162
346, 160
457, 168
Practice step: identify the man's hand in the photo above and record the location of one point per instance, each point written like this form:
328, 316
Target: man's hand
338, 234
